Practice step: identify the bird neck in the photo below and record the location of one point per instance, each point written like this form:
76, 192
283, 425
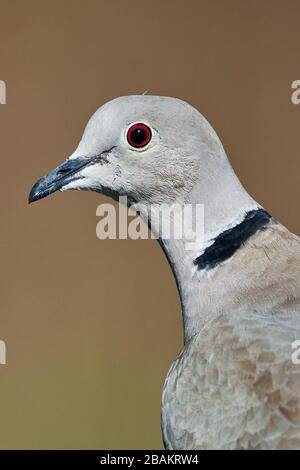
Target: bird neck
225, 206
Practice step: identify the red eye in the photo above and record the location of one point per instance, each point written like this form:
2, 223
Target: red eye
139, 135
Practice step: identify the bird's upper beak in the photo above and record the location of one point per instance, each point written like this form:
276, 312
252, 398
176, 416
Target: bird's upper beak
60, 177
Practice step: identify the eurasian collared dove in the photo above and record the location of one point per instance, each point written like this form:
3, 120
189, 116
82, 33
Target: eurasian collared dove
234, 385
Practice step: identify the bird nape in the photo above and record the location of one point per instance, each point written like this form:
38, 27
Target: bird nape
234, 385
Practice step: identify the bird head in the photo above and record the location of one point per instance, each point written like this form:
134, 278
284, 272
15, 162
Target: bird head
151, 149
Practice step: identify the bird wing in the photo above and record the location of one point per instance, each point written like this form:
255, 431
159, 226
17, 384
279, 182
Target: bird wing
235, 386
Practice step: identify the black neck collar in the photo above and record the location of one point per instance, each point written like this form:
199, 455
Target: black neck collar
229, 241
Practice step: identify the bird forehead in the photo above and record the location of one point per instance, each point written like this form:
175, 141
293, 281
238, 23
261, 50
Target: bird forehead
167, 115
124, 110
162, 113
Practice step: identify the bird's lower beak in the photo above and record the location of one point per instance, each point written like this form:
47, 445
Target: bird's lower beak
59, 177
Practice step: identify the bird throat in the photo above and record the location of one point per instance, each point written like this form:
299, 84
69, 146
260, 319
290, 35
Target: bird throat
228, 242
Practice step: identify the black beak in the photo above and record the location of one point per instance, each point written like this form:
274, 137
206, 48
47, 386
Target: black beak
59, 177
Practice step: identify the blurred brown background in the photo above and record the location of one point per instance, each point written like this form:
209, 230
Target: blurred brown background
91, 327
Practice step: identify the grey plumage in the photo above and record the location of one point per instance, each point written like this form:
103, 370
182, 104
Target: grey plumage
234, 385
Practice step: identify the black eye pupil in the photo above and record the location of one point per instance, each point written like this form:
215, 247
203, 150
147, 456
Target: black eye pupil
138, 136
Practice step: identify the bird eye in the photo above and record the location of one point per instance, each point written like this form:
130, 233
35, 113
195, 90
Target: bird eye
139, 135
